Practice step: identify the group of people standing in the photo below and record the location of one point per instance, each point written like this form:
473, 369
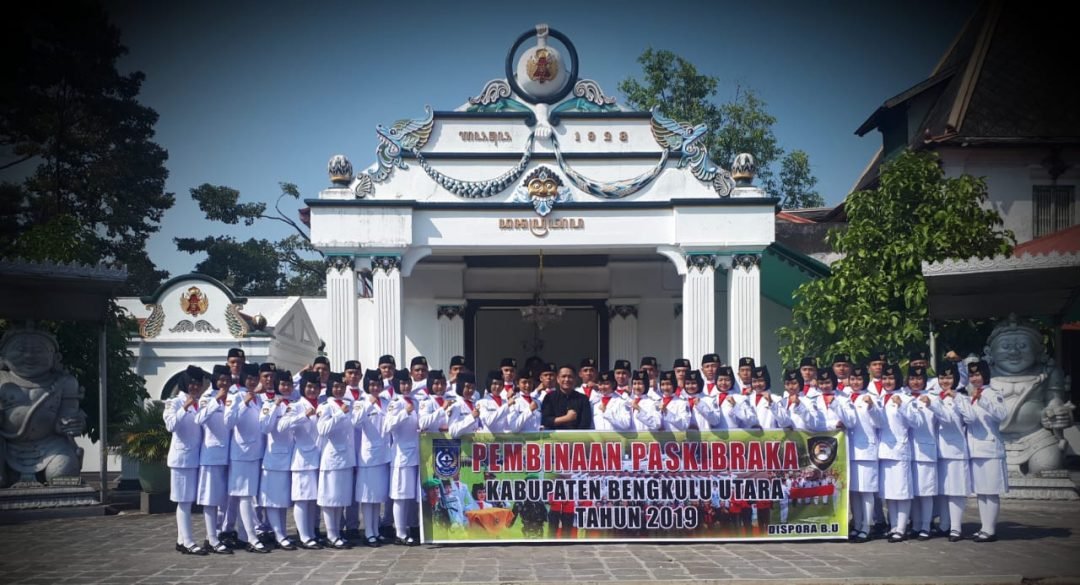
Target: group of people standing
251, 441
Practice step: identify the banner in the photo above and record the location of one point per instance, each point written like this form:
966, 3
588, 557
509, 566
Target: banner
608, 486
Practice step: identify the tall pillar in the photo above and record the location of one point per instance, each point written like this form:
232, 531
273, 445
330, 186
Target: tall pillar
699, 311
451, 334
341, 295
386, 289
622, 332
744, 307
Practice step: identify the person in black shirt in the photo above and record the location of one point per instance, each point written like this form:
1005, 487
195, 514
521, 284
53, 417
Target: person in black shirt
566, 409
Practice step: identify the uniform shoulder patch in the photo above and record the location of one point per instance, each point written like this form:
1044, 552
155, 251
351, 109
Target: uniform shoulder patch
266, 410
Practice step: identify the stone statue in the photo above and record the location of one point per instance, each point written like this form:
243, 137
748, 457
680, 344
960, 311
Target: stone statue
39, 411
1034, 391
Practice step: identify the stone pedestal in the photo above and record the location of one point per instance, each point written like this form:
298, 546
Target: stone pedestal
1041, 488
53, 496
156, 503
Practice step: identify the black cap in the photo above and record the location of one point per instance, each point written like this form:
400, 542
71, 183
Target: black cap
458, 360
640, 375
622, 365
466, 378
267, 367
762, 373
860, 371
894, 371
493, 376
841, 358
321, 360
235, 352
952, 369
194, 374
668, 376
710, 358
587, 363
649, 361
980, 367
695, 375
335, 378
508, 363
372, 376
435, 375
249, 369
725, 371
916, 372
524, 375
549, 367
219, 371
387, 359
352, 365
681, 363
747, 362
418, 361
792, 376
808, 362
282, 376
878, 355
402, 376
919, 354
309, 377
606, 378
827, 374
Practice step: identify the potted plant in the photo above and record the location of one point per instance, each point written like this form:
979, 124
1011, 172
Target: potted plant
143, 437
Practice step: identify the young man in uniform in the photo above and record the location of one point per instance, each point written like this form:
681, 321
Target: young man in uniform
508, 369
387, 369
547, 383
235, 360
746, 368
587, 372
457, 366
418, 369
841, 369
710, 363
875, 367
681, 367
651, 367
621, 378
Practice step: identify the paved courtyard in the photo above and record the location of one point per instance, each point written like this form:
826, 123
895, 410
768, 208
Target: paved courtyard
1040, 544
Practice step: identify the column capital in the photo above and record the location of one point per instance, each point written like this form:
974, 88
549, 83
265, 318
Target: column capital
624, 311
449, 311
387, 264
700, 262
339, 262
746, 262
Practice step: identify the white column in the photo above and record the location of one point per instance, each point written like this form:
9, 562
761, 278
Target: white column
451, 334
744, 307
341, 296
386, 285
622, 333
699, 301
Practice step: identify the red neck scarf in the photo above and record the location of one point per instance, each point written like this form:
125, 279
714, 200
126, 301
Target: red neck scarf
757, 397
340, 402
667, 400
605, 399
313, 403
693, 401
497, 399
439, 400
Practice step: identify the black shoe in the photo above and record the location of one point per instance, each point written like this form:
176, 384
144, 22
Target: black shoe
286, 544
923, 535
340, 544
267, 538
861, 537
230, 538
190, 550
220, 549
407, 541
981, 536
384, 539
937, 531
311, 545
387, 532
955, 537
896, 537
258, 547
373, 542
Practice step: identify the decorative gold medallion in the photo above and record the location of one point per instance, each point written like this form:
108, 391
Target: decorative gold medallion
543, 66
194, 302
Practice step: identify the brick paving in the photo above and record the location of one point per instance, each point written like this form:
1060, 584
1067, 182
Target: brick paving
1039, 542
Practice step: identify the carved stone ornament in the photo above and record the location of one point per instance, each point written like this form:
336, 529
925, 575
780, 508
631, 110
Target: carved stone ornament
495, 90
387, 264
339, 263
340, 170
238, 327
590, 90
700, 262
624, 311
200, 326
449, 311
40, 415
743, 169
151, 326
746, 261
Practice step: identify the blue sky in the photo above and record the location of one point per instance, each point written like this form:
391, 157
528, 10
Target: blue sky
253, 93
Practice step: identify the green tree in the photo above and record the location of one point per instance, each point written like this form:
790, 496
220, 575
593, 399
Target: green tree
876, 296
798, 182
684, 94
257, 267
82, 179
74, 140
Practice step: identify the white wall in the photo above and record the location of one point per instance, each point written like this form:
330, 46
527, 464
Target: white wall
1010, 174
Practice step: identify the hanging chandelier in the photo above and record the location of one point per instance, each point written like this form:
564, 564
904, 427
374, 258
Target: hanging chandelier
540, 313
